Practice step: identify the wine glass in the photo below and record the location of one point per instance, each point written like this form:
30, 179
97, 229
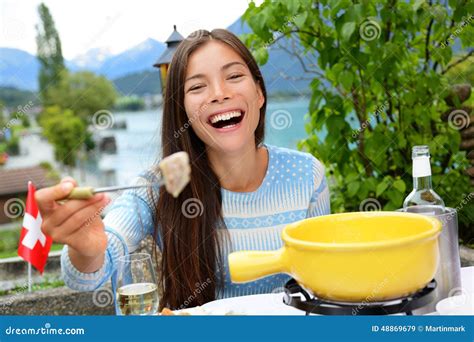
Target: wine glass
137, 292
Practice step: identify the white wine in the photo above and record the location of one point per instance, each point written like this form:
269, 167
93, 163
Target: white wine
138, 299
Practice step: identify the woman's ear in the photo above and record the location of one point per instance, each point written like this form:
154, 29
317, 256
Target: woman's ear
260, 97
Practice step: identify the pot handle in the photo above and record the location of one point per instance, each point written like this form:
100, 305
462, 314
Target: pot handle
247, 266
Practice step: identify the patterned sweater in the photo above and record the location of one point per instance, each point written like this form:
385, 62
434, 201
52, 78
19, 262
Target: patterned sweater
294, 188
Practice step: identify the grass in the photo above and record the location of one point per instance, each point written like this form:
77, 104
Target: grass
46, 284
9, 243
14, 253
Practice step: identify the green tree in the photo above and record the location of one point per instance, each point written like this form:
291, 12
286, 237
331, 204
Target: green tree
462, 72
65, 131
378, 88
84, 93
132, 103
49, 53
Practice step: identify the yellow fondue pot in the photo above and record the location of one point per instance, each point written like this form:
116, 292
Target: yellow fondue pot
350, 257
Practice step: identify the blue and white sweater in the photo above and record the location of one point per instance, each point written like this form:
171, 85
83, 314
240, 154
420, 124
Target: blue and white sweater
294, 188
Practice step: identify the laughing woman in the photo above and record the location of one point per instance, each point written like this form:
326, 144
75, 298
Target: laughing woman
245, 191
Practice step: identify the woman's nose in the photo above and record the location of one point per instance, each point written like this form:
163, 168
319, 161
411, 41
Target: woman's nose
219, 93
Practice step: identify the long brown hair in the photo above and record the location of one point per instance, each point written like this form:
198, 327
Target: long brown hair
191, 263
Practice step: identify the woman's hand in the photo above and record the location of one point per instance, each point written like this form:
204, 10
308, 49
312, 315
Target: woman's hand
76, 223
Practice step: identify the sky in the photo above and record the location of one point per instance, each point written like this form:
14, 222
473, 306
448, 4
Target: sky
114, 25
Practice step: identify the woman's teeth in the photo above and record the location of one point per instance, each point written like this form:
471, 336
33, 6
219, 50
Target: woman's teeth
225, 116
226, 120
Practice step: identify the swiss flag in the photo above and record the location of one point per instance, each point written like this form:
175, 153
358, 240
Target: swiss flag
34, 245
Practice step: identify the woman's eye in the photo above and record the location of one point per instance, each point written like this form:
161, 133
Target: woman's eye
195, 87
235, 76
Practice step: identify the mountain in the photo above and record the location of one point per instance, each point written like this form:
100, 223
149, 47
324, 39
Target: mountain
136, 59
92, 60
18, 69
139, 83
12, 97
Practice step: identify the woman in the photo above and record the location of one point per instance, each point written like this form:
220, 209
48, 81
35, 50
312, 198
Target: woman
245, 191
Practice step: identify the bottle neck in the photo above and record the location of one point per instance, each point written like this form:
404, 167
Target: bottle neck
421, 173
420, 183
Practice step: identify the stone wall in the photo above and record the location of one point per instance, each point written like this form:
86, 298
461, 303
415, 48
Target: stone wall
58, 301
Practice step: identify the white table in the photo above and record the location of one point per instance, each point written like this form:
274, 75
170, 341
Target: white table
271, 304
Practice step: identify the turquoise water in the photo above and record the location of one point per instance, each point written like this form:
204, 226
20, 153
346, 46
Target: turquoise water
138, 146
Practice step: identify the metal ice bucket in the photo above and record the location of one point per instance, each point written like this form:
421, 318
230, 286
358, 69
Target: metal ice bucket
448, 275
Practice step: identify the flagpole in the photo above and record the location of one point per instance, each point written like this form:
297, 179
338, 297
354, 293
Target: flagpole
34, 245
29, 277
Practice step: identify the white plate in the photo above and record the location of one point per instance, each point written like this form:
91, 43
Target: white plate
457, 305
463, 302
269, 304
467, 279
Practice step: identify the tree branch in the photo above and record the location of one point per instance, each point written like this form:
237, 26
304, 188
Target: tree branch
287, 33
361, 142
313, 71
300, 60
385, 82
364, 100
427, 42
459, 61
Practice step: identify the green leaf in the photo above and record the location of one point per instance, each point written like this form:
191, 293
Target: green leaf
417, 4
292, 5
300, 19
396, 197
347, 30
351, 177
399, 184
381, 187
333, 74
346, 78
261, 55
353, 188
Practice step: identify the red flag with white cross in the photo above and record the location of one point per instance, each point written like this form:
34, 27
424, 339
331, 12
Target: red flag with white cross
34, 245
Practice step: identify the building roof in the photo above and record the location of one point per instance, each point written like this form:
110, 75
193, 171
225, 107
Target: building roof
175, 36
13, 181
171, 44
